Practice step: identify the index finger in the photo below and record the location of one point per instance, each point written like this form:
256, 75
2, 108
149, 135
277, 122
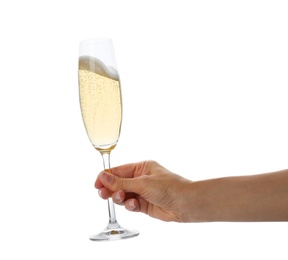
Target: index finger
125, 170
132, 170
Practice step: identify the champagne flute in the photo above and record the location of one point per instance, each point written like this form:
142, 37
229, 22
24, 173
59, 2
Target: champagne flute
101, 108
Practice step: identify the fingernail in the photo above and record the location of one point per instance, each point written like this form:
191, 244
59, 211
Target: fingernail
107, 177
117, 196
99, 193
132, 204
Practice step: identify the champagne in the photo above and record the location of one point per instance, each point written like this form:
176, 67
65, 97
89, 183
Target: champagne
100, 101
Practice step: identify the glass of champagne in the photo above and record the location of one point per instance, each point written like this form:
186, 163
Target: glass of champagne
101, 108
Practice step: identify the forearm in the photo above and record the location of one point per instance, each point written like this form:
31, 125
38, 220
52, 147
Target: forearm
262, 197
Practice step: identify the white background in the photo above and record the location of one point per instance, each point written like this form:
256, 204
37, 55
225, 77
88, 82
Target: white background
204, 90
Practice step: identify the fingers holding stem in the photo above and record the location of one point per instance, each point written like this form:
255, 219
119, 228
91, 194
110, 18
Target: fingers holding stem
120, 198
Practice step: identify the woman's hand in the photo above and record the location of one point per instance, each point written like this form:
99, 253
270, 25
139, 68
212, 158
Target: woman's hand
146, 187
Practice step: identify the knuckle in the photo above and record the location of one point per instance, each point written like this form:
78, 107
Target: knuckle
119, 184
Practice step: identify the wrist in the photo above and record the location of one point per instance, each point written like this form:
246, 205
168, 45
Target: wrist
200, 201
190, 204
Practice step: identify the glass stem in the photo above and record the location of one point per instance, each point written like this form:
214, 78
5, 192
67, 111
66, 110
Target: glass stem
111, 208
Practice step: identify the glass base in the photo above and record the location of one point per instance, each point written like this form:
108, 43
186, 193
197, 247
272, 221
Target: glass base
114, 232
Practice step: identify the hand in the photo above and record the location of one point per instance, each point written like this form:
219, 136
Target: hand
146, 187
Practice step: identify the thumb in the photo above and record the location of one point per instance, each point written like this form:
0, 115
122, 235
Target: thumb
114, 183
